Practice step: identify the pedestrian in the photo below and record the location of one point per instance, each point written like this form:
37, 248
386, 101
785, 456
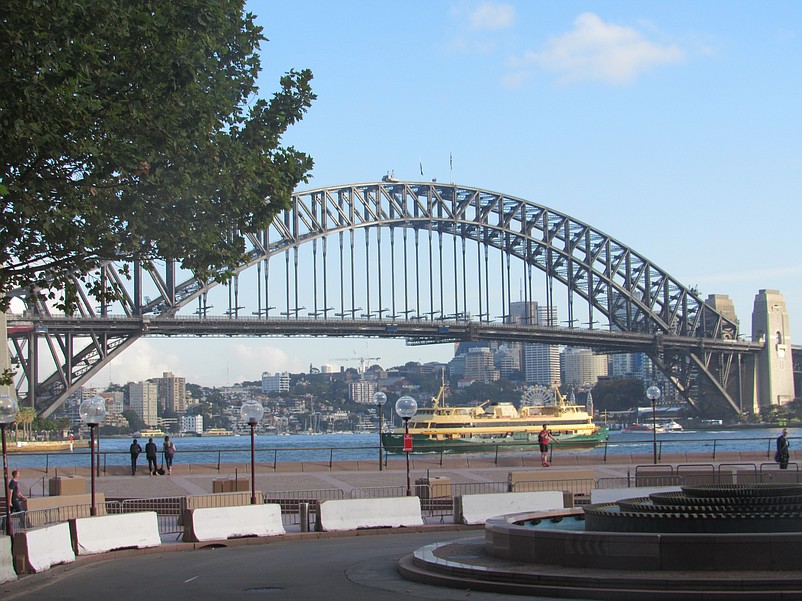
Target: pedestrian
14, 492
152, 453
169, 453
782, 454
135, 450
543, 438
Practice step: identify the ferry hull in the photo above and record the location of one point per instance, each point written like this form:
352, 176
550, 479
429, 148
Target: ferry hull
393, 442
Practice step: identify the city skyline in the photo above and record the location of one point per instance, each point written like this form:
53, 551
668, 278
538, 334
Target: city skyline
673, 128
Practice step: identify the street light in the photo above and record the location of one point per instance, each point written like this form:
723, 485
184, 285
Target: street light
653, 393
252, 412
406, 407
379, 399
8, 413
92, 412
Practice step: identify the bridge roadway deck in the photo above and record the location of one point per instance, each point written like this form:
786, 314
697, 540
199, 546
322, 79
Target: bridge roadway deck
116, 481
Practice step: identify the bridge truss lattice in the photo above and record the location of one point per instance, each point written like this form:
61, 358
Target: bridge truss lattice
379, 258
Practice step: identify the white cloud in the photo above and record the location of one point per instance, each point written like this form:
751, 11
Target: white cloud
515, 79
485, 17
492, 16
599, 51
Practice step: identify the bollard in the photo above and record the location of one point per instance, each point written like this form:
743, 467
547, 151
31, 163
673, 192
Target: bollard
318, 519
303, 512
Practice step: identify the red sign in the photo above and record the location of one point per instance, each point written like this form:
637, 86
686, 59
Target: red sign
407, 443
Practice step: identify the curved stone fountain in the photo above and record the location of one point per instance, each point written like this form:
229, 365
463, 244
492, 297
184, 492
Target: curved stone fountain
705, 542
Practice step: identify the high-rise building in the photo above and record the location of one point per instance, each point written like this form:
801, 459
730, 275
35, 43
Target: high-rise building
582, 367
172, 392
361, 391
456, 367
542, 364
508, 359
542, 361
547, 316
523, 312
630, 365
144, 397
479, 365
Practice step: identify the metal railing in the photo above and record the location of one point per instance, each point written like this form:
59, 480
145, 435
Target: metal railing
437, 498
270, 457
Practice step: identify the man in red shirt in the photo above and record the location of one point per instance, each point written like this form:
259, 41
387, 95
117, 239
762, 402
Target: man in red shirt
543, 438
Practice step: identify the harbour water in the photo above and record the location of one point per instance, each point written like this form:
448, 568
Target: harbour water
361, 447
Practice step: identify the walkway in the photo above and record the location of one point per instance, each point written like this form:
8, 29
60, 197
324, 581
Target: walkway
347, 476
357, 566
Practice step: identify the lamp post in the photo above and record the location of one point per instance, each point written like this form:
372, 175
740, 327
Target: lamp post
252, 412
92, 412
8, 413
406, 407
653, 393
379, 399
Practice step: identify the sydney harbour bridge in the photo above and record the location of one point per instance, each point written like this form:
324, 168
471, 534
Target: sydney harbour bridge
424, 262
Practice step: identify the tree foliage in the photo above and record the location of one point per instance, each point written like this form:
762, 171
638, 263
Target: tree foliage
618, 394
133, 130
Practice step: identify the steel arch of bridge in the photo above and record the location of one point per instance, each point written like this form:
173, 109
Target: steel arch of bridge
613, 281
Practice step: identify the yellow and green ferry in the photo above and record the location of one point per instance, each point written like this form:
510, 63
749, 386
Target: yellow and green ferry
500, 426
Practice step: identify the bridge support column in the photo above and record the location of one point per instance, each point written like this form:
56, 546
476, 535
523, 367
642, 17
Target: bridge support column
5, 363
775, 371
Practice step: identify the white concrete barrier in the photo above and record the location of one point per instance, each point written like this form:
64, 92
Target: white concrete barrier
220, 523
120, 531
611, 495
7, 573
477, 509
351, 514
38, 549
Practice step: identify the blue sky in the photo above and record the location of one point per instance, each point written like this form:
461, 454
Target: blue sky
673, 126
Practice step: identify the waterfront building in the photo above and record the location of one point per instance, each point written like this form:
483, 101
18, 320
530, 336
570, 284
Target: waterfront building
143, 397
172, 392
191, 423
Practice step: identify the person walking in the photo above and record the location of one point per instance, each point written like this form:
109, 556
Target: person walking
135, 450
14, 492
152, 454
782, 450
169, 453
543, 438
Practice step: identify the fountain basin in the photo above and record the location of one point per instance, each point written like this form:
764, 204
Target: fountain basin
721, 528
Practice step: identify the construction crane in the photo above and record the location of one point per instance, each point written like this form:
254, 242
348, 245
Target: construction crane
362, 361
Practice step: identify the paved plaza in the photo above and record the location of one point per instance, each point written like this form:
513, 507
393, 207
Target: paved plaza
298, 566
116, 482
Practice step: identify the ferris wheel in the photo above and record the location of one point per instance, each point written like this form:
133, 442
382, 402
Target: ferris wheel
537, 395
